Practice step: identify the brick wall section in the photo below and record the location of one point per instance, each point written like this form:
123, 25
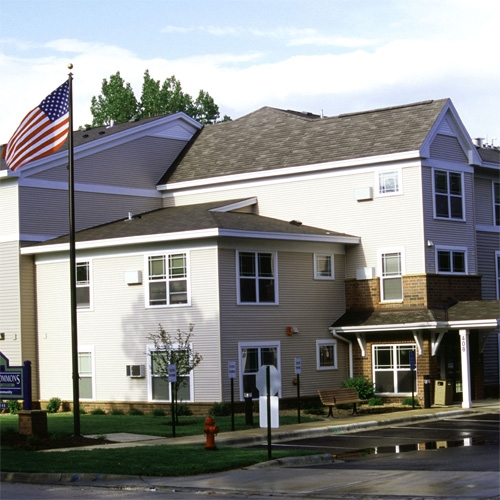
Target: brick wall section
424, 290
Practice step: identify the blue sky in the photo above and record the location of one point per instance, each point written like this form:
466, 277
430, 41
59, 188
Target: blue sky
309, 55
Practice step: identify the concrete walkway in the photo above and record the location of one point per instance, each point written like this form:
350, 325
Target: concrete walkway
269, 477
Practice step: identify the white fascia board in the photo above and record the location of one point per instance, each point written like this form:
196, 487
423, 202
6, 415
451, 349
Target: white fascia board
280, 172
235, 206
88, 188
187, 235
479, 324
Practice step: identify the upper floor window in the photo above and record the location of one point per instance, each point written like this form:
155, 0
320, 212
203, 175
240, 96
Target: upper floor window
391, 275
83, 285
496, 202
257, 278
168, 283
451, 260
388, 182
323, 267
448, 198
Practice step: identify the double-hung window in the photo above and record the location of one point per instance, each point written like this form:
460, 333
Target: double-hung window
451, 260
168, 279
391, 368
86, 372
448, 197
496, 202
326, 354
391, 275
323, 267
256, 277
83, 285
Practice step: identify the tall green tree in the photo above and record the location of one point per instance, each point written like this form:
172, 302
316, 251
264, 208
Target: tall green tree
117, 101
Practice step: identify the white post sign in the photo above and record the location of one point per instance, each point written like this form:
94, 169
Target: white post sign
172, 373
231, 369
298, 366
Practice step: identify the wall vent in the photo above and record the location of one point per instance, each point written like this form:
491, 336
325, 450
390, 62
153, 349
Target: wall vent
136, 371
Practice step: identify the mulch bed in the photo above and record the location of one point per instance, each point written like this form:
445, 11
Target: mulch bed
37, 443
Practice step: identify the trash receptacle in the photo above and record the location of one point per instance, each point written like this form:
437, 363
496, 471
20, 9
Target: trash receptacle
443, 393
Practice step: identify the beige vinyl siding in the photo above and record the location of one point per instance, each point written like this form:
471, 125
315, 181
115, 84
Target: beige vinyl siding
488, 244
310, 305
137, 164
449, 232
330, 204
119, 323
9, 206
483, 198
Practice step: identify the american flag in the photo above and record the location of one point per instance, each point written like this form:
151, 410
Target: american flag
42, 132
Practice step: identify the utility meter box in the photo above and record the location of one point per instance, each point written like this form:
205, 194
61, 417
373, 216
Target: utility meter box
443, 392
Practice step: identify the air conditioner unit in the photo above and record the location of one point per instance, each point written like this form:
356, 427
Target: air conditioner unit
136, 371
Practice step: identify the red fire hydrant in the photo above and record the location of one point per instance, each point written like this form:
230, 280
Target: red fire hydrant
211, 430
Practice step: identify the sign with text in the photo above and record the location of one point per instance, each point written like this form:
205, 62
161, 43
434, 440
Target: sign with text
231, 369
11, 380
298, 366
172, 373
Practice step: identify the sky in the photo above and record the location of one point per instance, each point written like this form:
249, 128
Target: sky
330, 56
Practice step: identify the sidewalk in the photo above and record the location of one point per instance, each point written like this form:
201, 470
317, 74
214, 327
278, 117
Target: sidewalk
265, 475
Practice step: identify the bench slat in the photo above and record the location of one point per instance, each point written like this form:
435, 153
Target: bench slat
334, 397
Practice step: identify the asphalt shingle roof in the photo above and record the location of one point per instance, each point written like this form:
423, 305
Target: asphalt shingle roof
271, 138
190, 218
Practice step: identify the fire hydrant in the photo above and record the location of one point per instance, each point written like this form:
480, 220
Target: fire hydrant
211, 430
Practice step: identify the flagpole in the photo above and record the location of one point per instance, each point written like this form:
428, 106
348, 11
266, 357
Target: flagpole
72, 265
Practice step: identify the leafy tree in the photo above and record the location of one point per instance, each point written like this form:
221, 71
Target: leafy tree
174, 349
117, 101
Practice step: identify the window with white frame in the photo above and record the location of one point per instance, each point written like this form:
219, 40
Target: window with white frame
253, 355
388, 182
323, 266
256, 278
451, 260
168, 280
496, 202
159, 387
391, 274
86, 372
497, 262
448, 198
83, 294
391, 368
326, 354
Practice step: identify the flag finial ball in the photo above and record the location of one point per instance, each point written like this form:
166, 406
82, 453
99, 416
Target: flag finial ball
70, 66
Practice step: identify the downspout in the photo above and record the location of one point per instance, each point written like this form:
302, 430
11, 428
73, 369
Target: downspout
337, 336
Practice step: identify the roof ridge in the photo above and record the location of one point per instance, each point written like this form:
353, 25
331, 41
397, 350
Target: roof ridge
389, 108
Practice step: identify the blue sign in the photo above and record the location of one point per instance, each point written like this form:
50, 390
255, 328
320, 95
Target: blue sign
11, 380
412, 360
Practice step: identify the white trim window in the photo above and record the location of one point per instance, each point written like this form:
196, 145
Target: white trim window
391, 368
388, 182
391, 274
323, 267
83, 285
167, 280
497, 266
256, 274
252, 356
326, 355
451, 260
158, 386
86, 370
496, 203
448, 197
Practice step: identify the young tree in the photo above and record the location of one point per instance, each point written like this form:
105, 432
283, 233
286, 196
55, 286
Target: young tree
174, 349
117, 102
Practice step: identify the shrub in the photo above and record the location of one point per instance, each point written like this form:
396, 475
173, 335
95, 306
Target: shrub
53, 405
363, 385
135, 411
82, 410
98, 411
375, 402
183, 410
14, 406
117, 411
219, 410
158, 412
408, 402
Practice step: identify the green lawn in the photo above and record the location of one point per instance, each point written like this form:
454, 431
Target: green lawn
168, 460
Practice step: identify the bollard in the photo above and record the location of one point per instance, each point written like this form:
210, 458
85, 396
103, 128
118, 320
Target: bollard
427, 391
211, 430
248, 408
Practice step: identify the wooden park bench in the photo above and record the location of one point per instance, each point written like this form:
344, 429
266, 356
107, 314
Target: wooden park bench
336, 397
